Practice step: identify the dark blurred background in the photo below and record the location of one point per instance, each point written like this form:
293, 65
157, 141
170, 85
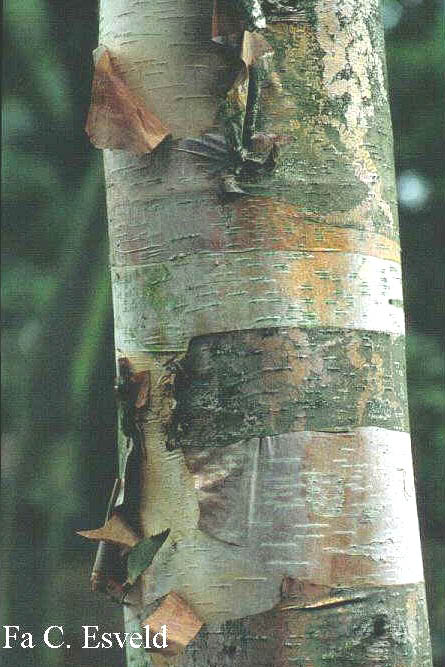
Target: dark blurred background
58, 412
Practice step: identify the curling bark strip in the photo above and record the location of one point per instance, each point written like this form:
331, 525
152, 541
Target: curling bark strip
277, 447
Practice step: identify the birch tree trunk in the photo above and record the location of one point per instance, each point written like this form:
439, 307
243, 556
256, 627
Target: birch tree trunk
275, 446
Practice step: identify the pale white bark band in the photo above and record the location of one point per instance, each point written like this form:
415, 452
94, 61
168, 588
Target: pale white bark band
214, 292
354, 526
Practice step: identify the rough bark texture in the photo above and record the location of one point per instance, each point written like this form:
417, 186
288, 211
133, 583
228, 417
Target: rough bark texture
276, 440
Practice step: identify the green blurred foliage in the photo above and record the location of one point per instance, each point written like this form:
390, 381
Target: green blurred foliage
58, 414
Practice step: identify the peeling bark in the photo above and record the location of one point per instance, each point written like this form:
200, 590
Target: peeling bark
183, 625
117, 118
268, 320
115, 531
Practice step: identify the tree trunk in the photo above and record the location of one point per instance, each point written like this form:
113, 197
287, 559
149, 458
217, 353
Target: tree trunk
257, 286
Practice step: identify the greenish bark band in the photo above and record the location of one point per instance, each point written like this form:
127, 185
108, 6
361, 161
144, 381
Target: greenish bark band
264, 382
370, 628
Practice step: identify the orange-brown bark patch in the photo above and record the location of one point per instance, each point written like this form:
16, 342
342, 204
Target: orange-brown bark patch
291, 229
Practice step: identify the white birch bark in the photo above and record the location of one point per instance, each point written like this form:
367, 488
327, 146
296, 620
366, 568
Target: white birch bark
292, 519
